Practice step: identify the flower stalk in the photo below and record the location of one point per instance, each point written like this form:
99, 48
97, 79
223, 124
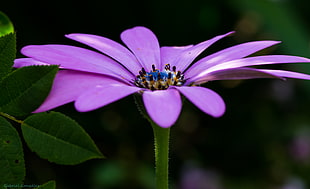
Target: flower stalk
161, 147
161, 142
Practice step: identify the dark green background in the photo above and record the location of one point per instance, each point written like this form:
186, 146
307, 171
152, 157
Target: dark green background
253, 146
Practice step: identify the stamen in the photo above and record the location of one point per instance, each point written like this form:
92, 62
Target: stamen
178, 74
143, 71
151, 77
174, 68
167, 67
159, 80
169, 75
153, 67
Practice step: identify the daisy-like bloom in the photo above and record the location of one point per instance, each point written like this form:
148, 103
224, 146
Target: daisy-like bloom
94, 79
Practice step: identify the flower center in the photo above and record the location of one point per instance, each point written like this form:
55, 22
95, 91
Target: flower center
159, 80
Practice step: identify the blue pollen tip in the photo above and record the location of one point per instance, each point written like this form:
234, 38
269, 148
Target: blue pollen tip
159, 80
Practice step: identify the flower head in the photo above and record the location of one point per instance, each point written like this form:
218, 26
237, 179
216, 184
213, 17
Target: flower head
161, 74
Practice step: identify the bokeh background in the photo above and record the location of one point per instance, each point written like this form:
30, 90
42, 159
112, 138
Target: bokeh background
262, 141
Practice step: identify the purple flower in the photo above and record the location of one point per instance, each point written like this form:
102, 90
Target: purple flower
193, 177
160, 74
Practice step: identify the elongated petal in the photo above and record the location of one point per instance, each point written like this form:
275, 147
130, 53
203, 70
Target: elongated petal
232, 74
163, 106
76, 58
188, 55
205, 99
253, 61
228, 54
111, 48
102, 95
144, 44
169, 54
288, 74
22, 62
259, 60
68, 85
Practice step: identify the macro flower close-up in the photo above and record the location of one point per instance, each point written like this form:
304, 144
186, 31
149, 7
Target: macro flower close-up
161, 74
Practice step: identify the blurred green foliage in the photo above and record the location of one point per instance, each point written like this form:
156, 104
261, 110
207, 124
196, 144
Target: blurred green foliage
6, 25
263, 140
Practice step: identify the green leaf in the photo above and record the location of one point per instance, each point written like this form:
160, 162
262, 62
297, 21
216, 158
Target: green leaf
49, 185
12, 164
7, 53
24, 90
6, 25
59, 139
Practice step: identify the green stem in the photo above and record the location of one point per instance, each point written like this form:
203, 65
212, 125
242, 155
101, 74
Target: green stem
161, 141
11, 117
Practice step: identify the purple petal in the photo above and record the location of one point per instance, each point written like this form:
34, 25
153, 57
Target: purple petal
22, 62
68, 85
163, 106
232, 74
169, 54
252, 61
102, 95
144, 44
75, 58
228, 54
259, 60
111, 48
188, 55
205, 99
288, 74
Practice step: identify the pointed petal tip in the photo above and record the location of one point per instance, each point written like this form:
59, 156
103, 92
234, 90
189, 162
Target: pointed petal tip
231, 32
307, 59
283, 74
70, 35
227, 34
74, 35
